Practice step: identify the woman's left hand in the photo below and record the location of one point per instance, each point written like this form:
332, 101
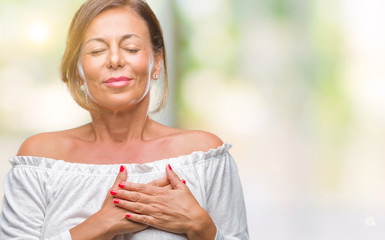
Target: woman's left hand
173, 210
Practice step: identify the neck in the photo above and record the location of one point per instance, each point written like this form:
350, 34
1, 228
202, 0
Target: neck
120, 126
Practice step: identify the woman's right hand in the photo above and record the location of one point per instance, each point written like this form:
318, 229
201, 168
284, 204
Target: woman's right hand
111, 220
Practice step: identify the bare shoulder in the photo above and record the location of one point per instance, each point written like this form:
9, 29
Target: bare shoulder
184, 142
49, 144
199, 140
38, 145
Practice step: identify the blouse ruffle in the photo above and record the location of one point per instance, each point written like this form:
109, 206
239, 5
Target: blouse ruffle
111, 169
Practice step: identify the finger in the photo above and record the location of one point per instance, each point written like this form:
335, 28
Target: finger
131, 196
168, 187
160, 182
143, 219
134, 207
121, 177
141, 188
175, 181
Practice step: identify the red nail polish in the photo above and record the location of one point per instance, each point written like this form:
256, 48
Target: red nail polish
184, 181
121, 168
128, 215
121, 185
113, 192
116, 200
169, 167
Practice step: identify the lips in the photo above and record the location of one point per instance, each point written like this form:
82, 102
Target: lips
117, 81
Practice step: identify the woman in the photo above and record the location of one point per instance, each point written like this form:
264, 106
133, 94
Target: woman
110, 181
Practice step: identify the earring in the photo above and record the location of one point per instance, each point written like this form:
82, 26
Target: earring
156, 76
82, 88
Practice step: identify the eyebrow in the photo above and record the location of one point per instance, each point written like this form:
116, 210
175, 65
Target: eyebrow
127, 36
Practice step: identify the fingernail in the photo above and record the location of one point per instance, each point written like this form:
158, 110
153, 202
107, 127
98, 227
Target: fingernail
113, 192
128, 215
116, 200
121, 168
184, 181
169, 167
121, 185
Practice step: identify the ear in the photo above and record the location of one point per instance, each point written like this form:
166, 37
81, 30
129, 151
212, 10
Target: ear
158, 65
80, 71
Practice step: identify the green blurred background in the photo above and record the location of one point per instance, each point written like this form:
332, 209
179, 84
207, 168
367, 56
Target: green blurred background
297, 87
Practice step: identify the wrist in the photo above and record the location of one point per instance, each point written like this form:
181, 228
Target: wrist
103, 226
203, 227
93, 228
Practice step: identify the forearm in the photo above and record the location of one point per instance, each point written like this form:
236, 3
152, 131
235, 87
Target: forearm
93, 228
203, 227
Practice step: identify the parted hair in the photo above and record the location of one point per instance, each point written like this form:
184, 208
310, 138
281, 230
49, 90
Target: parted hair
87, 12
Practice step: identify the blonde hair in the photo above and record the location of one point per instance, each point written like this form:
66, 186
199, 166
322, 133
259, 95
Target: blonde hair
87, 12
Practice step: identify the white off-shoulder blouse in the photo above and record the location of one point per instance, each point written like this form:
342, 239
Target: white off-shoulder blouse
44, 198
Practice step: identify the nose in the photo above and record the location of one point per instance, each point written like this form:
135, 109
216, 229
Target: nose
115, 59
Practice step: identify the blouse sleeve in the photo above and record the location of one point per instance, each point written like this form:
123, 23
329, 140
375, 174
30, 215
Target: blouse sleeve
24, 205
225, 202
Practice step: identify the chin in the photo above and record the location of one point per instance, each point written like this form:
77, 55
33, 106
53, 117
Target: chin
121, 105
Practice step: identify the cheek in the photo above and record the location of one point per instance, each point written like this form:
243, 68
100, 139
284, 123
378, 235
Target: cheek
91, 67
141, 63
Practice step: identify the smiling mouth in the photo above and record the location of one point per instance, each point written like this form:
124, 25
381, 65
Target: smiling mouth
117, 81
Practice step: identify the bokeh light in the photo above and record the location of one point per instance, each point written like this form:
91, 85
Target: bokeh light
38, 31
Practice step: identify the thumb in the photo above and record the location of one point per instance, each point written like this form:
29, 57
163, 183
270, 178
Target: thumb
175, 181
121, 177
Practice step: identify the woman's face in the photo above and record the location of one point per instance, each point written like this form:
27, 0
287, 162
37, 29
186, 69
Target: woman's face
117, 59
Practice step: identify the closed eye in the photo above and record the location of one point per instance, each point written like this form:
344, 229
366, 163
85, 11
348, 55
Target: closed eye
97, 51
131, 50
